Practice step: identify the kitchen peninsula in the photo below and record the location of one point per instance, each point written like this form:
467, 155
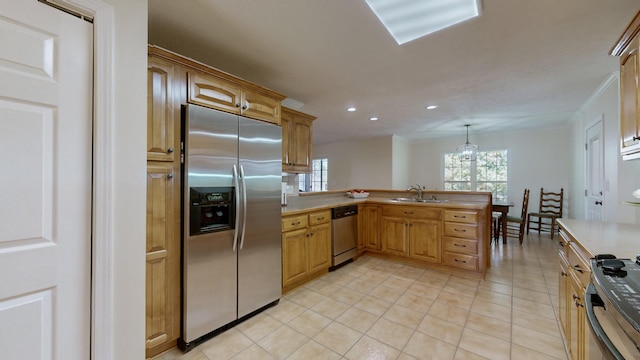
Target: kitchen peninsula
452, 235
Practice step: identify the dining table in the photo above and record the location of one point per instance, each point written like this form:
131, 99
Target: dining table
503, 208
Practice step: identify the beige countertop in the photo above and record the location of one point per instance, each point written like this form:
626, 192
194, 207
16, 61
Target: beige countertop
621, 240
304, 204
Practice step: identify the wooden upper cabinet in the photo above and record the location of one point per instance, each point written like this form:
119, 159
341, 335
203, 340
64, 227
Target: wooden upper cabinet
216, 93
296, 141
258, 106
627, 49
161, 119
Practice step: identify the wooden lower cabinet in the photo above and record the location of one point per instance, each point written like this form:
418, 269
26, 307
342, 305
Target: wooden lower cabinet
411, 232
162, 259
462, 239
306, 247
575, 274
424, 240
368, 233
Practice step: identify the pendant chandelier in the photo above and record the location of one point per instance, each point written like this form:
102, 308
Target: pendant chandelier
468, 151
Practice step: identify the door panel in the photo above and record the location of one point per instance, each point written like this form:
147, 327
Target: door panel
45, 212
595, 172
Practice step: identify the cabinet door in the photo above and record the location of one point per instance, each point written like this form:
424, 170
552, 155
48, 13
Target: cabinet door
425, 240
629, 97
294, 256
576, 319
319, 247
563, 295
395, 236
301, 137
162, 116
214, 93
285, 122
369, 234
261, 107
162, 257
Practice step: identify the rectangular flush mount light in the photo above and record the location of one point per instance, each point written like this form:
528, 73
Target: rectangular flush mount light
407, 20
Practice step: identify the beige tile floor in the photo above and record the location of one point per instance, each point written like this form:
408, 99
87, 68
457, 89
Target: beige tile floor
375, 308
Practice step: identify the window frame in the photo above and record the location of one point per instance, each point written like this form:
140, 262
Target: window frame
473, 174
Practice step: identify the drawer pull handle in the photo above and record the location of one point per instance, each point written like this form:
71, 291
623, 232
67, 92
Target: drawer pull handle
563, 273
460, 261
461, 217
577, 268
460, 245
561, 243
295, 223
320, 218
409, 212
460, 230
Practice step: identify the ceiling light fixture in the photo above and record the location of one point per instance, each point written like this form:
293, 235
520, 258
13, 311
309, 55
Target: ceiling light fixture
411, 19
351, 109
431, 107
468, 151
373, 118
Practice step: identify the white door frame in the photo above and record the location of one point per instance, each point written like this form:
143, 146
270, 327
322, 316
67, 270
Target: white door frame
590, 195
103, 185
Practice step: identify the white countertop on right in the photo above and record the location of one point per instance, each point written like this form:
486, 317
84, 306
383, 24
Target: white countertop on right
621, 240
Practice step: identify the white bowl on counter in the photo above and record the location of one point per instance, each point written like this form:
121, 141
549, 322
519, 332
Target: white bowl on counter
357, 195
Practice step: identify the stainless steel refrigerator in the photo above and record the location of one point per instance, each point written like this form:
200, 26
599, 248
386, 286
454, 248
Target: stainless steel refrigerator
232, 220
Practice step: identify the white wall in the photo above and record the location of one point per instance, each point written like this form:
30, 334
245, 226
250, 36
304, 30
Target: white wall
401, 163
537, 158
620, 177
129, 160
359, 163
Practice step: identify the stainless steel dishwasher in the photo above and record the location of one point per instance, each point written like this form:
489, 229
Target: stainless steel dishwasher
344, 234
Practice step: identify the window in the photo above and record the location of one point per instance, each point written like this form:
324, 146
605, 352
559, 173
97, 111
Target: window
317, 180
487, 173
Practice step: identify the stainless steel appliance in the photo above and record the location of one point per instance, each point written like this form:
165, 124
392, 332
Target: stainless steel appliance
231, 224
612, 304
344, 234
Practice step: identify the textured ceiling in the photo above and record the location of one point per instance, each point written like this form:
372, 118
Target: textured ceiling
521, 64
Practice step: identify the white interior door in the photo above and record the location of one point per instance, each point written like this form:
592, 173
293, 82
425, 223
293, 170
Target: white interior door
595, 172
45, 187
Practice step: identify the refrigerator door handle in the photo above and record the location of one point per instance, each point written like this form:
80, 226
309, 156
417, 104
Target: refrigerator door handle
244, 206
237, 195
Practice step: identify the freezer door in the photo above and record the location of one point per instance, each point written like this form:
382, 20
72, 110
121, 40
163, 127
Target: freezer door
210, 263
259, 254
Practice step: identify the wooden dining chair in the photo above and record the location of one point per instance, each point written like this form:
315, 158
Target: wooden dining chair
549, 211
516, 225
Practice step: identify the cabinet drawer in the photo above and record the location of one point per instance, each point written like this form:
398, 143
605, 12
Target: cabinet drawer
466, 246
469, 231
294, 222
417, 212
461, 216
579, 264
467, 262
319, 217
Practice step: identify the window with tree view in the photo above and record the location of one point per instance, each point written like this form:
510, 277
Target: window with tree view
487, 173
317, 180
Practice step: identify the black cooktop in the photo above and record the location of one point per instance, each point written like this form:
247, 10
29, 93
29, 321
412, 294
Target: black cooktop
619, 281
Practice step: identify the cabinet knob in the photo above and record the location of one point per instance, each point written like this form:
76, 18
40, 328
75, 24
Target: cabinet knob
244, 107
170, 176
237, 104
170, 150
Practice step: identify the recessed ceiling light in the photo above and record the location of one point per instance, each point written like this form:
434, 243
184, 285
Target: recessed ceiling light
411, 19
373, 118
431, 107
351, 109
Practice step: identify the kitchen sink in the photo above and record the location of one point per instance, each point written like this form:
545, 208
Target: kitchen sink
428, 201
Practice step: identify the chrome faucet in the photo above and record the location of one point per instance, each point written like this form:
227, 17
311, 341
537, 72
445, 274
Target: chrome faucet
418, 188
